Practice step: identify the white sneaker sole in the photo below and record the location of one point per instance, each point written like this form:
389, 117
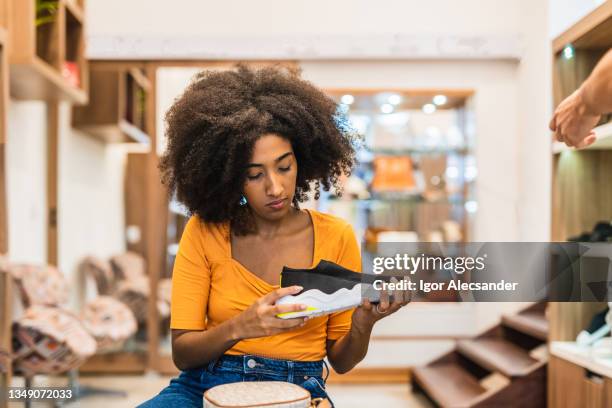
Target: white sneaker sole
320, 303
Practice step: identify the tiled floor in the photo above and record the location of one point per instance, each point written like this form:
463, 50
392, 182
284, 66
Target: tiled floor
141, 388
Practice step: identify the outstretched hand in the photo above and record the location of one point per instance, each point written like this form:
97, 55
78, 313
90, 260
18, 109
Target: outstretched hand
573, 123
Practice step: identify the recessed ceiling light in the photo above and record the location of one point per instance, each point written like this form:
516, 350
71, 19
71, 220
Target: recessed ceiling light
568, 52
429, 108
439, 100
386, 108
347, 99
395, 99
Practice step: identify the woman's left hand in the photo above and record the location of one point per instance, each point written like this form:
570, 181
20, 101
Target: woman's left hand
368, 313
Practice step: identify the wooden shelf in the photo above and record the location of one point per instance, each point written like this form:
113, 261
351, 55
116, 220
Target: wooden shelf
604, 141
40, 57
581, 356
592, 31
116, 112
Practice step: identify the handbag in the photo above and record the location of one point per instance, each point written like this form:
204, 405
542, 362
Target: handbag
269, 394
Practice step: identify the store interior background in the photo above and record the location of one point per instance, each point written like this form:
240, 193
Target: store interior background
509, 109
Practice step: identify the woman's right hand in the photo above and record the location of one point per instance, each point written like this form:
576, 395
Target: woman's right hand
260, 320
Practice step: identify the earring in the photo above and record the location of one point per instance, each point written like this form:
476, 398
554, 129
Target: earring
243, 201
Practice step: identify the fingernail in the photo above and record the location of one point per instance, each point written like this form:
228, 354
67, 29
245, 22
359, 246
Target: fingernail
298, 288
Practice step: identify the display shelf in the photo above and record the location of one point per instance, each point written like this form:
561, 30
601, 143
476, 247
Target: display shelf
581, 194
116, 112
47, 59
582, 356
592, 31
603, 142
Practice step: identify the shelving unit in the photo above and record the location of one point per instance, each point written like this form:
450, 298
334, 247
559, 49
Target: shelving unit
435, 149
116, 112
581, 196
47, 58
121, 97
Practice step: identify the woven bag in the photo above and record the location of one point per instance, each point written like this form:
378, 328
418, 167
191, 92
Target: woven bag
269, 394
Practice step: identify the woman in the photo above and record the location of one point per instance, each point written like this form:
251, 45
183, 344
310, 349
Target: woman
244, 149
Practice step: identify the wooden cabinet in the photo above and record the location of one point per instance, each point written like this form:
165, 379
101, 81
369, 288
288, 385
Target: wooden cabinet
571, 385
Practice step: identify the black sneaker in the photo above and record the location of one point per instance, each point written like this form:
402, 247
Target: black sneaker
328, 288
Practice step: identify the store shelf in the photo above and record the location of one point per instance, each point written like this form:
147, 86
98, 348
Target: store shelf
592, 31
604, 140
116, 112
39, 56
582, 356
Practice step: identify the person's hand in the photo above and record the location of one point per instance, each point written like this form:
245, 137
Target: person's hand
573, 123
367, 313
260, 320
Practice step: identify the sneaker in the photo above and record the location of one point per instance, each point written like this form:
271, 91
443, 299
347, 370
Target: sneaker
328, 288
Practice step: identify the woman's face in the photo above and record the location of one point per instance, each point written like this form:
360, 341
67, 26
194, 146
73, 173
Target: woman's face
271, 176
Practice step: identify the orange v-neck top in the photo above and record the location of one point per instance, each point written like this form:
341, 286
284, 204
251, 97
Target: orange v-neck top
209, 287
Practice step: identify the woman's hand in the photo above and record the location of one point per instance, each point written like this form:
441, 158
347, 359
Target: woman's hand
260, 320
367, 313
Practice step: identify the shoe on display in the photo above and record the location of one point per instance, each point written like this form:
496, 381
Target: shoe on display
328, 288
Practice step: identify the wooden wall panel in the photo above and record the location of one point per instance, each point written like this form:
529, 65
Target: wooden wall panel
582, 192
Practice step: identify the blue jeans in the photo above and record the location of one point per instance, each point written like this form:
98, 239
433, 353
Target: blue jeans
188, 388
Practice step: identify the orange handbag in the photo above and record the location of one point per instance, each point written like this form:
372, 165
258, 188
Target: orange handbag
393, 173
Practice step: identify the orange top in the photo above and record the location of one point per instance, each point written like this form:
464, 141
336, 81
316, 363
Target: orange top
210, 287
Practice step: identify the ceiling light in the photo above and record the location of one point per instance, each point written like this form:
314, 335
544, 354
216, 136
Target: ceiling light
568, 52
429, 108
440, 100
395, 99
347, 99
386, 108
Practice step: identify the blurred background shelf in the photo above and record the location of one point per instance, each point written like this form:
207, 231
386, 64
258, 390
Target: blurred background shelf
47, 51
415, 170
117, 111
